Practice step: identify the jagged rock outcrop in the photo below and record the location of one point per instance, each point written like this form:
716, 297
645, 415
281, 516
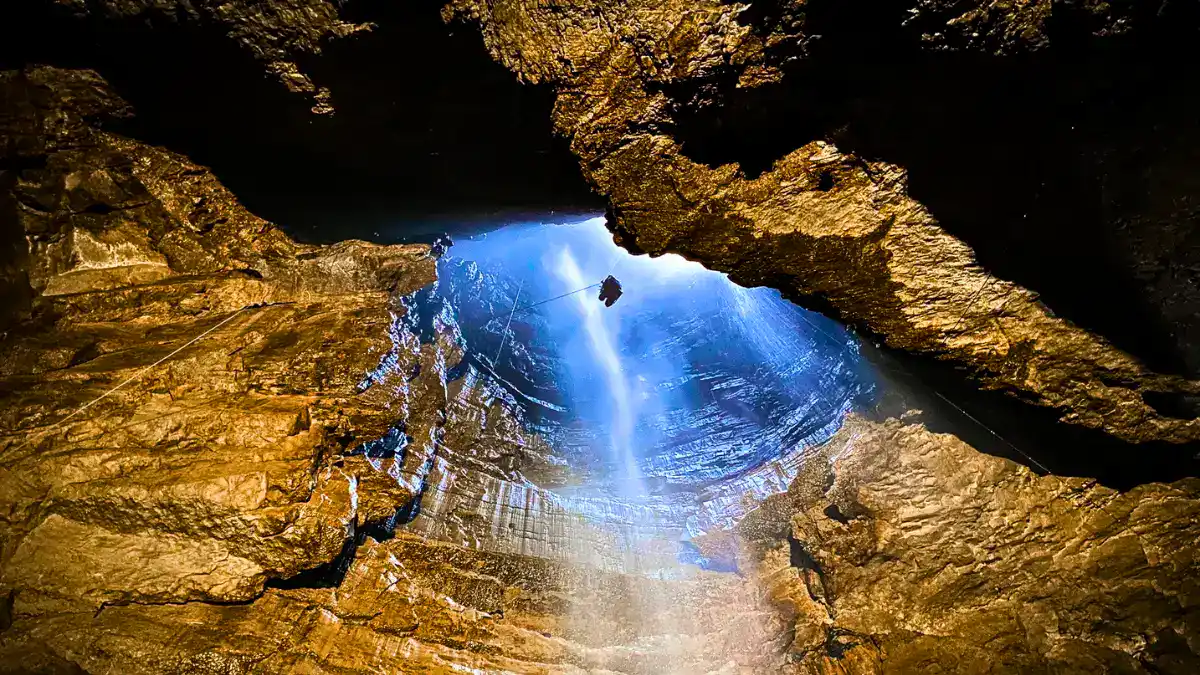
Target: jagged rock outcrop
175, 524
821, 222
181, 374
912, 552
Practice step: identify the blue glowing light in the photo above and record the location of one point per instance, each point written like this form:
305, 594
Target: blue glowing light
687, 381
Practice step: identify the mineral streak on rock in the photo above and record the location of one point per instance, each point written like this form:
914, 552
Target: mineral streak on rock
821, 222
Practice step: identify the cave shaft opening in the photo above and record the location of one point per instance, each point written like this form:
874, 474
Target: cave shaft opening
687, 396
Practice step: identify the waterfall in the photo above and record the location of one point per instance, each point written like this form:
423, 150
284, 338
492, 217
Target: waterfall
601, 343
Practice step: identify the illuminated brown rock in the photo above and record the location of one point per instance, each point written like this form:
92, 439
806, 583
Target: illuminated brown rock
175, 388
912, 552
418, 607
210, 515
820, 222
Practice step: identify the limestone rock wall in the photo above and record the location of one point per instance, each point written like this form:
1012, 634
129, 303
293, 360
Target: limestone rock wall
242, 356
911, 552
820, 222
174, 525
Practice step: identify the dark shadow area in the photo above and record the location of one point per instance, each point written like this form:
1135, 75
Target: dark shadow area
1178, 406
6, 610
429, 131
1002, 425
327, 575
1070, 171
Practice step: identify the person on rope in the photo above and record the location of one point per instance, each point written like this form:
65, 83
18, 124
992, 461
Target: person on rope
610, 290
440, 246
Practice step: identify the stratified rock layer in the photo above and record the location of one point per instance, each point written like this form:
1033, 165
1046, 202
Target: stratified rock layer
820, 222
140, 533
173, 389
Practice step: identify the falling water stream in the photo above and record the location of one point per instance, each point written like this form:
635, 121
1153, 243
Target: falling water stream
601, 338
675, 410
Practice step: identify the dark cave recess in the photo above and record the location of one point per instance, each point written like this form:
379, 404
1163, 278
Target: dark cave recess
1002, 425
1069, 170
429, 135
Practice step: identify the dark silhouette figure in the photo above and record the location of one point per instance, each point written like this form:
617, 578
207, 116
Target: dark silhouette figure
610, 290
440, 246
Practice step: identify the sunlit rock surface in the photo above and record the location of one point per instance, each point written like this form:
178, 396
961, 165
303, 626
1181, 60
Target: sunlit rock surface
409, 606
232, 509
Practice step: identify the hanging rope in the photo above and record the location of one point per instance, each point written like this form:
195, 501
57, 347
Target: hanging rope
989, 430
957, 407
542, 302
971, 302
504, 335
145, 370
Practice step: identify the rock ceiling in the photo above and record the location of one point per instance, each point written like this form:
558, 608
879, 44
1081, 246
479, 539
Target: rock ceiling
224, 515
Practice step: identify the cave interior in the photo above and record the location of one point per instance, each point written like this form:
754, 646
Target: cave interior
651, 487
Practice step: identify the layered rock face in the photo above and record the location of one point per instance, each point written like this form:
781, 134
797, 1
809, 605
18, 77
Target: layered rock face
229, 506
916, 553
181, 374
820, 221
275, 32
